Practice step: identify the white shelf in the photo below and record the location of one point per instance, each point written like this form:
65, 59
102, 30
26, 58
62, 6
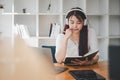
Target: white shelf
103, 49
114, 7
42, 38
48, 38
94, 6
44, 27
17, 13
27, 20
24, 14
7, 4
49, 13
28, 5
102, 37
99, 24
5, 25
43, 6
6, 13
67, 4
114, 36
114, 25
114, 41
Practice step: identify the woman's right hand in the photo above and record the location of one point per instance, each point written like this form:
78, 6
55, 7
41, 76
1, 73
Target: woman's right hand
68, 33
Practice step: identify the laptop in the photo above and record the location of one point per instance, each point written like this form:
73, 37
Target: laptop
28, 63
48, 56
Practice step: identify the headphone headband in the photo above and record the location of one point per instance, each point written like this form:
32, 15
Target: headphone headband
80, 10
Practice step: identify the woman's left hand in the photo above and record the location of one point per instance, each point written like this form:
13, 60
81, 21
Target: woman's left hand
79, 62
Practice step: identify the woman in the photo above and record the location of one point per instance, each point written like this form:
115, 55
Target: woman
77, 39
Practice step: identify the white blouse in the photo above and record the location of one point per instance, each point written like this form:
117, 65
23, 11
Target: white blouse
72, 48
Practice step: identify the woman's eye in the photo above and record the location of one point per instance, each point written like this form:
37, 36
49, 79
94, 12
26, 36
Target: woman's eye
79, 23
72, 22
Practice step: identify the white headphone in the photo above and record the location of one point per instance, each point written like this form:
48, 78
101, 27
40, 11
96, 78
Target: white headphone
85, 20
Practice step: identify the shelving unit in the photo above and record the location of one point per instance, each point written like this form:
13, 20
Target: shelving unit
114, 25
6, 18
114, 7
114, 22
103, 16
6, 29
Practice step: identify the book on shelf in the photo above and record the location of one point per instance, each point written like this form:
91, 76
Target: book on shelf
89, 56
51, 25
54, 30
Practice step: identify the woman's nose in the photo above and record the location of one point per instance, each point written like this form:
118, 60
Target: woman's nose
75, 26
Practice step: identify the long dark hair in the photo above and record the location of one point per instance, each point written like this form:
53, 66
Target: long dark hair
83, 40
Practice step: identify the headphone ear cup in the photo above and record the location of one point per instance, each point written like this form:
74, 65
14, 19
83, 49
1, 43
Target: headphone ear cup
85, 22
66, 21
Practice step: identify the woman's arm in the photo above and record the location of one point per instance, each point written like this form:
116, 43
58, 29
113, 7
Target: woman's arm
61, 46
61, 50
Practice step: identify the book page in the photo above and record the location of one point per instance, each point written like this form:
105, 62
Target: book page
89, 53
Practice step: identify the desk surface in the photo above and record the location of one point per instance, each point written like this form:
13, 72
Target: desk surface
101, 68
24, 64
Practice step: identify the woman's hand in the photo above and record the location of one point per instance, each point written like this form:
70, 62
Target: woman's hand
68, 33
79, 62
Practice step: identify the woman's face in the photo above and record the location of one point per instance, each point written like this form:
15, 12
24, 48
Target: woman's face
75, 24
